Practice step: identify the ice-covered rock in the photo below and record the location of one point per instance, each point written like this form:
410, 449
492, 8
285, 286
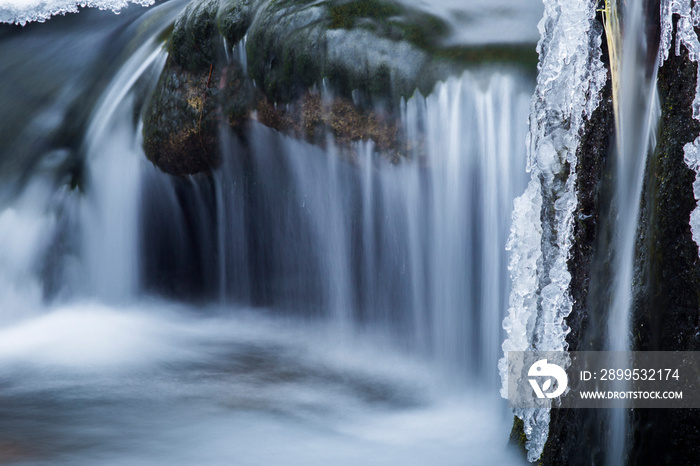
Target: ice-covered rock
570, 79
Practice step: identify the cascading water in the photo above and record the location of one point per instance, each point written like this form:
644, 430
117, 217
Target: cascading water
637, 121
109, 216
365, 241
352, 306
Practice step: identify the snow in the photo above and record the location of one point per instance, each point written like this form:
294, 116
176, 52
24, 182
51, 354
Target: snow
26, 11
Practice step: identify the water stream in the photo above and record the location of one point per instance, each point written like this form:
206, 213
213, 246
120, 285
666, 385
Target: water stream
299, 306
638, 118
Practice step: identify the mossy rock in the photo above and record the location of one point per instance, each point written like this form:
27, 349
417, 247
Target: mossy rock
382, 48
174, 138
368, 54
233, 19
198, 91
193, 41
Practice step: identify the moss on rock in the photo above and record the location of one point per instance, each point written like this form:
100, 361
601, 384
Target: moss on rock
233, 19
193, 44
366, 54
312, 119
517, 438
179, 129
346, 14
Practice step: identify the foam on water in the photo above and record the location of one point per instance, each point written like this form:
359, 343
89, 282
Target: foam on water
26, 231
180, 388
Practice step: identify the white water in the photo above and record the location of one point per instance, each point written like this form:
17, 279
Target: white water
639, 112
156, 384
110, 214
356, 307
26, 229
415, 249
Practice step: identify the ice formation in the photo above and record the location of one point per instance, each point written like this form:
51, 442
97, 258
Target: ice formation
685, 35
26, 11
570, 79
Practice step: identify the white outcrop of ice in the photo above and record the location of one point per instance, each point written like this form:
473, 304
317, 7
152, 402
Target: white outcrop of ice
688, 18
570, 79
26, 11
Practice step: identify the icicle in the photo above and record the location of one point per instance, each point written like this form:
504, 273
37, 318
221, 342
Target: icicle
570, 79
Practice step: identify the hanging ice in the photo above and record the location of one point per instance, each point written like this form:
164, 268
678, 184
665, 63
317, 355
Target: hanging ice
571, 76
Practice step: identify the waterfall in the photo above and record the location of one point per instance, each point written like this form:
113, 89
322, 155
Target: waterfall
27, 226
110, 215
42, 218
415, 247
636, 124
299, 295
637, 120
318, 302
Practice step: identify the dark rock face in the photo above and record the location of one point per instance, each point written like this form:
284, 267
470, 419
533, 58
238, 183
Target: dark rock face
183, 119
577, 437
367, 54
198, 90
181, 124
667, 305
667, 309
363, 45
201, 90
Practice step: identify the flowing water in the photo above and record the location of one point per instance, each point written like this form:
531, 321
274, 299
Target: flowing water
637, 121
638, 118
299, 306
